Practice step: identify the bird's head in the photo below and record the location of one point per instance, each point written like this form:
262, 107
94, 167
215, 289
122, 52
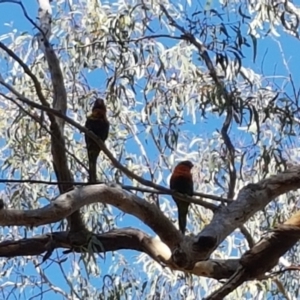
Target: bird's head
186, 163
99, 104
99, 109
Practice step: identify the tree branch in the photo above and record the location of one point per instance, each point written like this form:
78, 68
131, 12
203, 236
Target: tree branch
183, 255
251, 199
58, 145
118, 239
186, 250
65, 204
124, 187
263, 256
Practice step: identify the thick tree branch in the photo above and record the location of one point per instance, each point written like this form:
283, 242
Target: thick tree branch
180, 247
65, 204
118, 239
263, 256
58, 146
251, 199
126, 239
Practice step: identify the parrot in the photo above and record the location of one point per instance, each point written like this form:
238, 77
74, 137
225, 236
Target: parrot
181, 181
97, 123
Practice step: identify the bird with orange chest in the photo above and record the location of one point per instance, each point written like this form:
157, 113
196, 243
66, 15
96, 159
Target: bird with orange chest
182, 182
97, 123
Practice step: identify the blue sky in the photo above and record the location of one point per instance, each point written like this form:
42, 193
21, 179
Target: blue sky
268, 56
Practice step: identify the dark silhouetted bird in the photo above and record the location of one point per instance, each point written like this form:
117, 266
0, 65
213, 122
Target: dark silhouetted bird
96, 122
182, 182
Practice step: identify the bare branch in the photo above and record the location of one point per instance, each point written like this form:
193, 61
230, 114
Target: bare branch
58, 147
230, 161
231, 151
24, 12
251, 199
67, 203
124, 187
183, 255
263, 256
245, 232
118, 239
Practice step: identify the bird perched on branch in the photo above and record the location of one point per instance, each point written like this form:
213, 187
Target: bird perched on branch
97, 123
182, 182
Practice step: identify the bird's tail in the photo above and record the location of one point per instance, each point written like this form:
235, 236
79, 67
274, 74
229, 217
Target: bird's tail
93, 166
182, 215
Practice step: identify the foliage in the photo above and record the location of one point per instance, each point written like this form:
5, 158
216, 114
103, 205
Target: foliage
185, 83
